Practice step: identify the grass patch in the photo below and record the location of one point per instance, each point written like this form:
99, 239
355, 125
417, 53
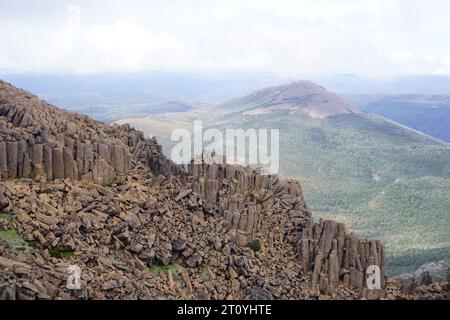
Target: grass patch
6, 216
15, 241
60, 254
11, 237
255, 245
33, 243
112, 258
156, 269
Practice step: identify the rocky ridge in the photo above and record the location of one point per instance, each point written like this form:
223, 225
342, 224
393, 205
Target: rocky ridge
41, 141
245, 198
74, 191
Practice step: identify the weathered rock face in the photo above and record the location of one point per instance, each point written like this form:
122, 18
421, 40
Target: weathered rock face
41, 141
333, 255
245, 198
409, 288
145, 222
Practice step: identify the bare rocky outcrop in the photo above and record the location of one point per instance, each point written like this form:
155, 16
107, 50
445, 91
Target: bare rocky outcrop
77, 192
244, 198
410, 289
146, 238
41, 141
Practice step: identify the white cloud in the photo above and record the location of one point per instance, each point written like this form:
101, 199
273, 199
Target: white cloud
126, 46
372, 38
73, 13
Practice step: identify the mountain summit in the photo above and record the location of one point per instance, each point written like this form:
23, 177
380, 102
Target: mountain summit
300, 96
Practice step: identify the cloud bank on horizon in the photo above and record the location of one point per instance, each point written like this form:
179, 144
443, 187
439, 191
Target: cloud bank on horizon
371, 38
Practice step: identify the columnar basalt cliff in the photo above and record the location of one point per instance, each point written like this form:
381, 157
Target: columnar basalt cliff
75, 193
244, 198
40, 140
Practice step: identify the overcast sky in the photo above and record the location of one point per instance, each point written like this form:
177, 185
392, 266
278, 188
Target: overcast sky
371, 38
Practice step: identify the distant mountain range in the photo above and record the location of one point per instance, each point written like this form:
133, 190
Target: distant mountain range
213, 87
167, 85
407, 84
384, 179
427, 113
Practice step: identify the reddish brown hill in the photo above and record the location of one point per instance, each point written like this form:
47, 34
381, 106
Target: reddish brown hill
297, 96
